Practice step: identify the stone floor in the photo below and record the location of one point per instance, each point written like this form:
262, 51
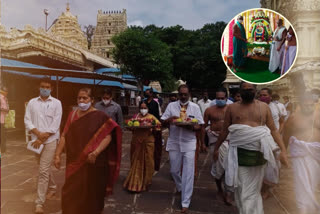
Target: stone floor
19, 175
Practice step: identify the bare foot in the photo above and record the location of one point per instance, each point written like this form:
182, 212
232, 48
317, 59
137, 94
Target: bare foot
227, 199
184, 210
265, 195
51, 196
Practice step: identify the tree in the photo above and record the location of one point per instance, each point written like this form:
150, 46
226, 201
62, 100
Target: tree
196, 55
208, 69
88, 32
145, 57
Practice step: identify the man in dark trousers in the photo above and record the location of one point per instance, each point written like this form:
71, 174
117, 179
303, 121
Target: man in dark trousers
153, 107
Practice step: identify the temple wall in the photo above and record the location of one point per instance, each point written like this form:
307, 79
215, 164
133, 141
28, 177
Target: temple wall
304, 15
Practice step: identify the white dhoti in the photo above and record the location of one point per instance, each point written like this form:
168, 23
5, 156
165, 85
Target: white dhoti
290, 56
276, 56
217, 169
305, 159
247, 181
248, 193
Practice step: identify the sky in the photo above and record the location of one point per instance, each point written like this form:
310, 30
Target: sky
191, 14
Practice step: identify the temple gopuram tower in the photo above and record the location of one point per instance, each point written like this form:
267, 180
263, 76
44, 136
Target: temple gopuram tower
304, 15
109, 23
67, 28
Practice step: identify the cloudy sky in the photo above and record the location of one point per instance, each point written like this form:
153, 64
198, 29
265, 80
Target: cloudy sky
191, 14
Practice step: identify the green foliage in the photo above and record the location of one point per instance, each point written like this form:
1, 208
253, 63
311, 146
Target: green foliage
146, 58
167, 54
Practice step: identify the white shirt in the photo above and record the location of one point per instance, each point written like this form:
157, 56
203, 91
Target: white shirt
277, 113
282, 108
45, 116
288, 112
181, 139
138, 100
214, 102
204, 105
132, 94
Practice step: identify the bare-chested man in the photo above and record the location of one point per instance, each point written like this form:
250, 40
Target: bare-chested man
251, 145
302, 130
215, 114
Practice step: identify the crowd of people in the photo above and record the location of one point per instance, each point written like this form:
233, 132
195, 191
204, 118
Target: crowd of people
247, 139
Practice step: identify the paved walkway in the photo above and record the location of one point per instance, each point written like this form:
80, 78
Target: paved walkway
19, 175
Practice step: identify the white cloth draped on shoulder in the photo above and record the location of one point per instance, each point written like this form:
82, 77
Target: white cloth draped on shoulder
305, 157
250, 138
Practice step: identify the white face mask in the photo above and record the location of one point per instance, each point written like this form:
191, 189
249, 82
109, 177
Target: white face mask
106, 102
84, 106
240, 21
184, 104
144, 111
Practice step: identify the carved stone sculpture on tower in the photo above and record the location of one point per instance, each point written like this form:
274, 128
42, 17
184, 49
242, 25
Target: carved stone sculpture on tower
109, 23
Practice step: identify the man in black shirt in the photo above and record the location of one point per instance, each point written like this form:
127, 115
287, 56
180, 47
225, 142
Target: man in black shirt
153, 107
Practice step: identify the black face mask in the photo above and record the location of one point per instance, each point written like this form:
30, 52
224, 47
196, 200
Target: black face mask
247, 95
147, 96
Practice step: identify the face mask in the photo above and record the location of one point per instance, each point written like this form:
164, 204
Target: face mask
265, 99
221, 103
106, 102
146, 96
247, 95
184, 104
144, 111
45, 92
84, 106
240, 21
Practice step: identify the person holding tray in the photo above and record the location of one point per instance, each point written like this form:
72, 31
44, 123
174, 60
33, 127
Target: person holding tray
144, 126
185, 119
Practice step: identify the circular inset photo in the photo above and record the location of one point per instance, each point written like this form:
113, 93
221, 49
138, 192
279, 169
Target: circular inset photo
259, 46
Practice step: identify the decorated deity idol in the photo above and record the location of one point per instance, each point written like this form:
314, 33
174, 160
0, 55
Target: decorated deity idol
260, 30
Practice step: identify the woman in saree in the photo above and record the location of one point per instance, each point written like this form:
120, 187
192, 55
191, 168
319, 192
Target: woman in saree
142, 152
240, 50
93, 152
